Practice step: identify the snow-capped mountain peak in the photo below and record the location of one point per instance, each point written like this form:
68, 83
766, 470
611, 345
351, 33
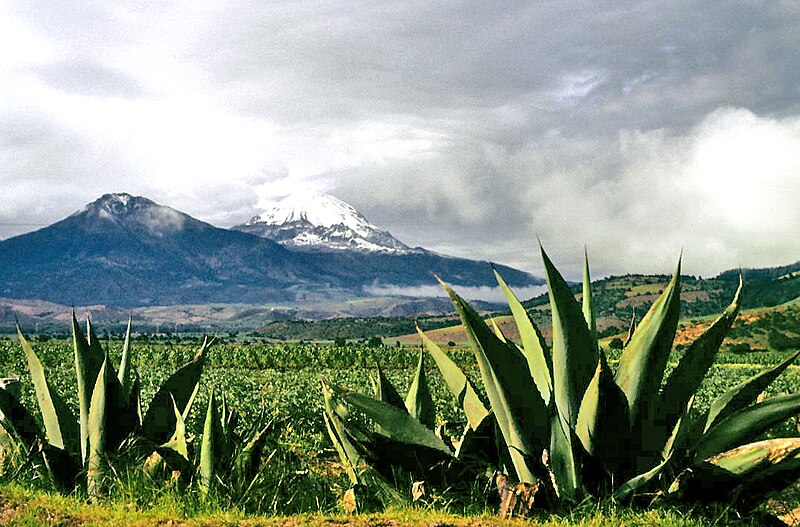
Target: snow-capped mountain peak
320, 210
312, 220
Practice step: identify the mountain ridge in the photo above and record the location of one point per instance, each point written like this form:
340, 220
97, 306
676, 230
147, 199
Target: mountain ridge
129, 250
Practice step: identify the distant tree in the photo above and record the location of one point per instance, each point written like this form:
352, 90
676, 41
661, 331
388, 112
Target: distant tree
375, 342
339, 342
616, 343
451, 343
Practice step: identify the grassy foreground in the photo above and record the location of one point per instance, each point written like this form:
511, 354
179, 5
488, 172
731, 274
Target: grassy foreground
21, 506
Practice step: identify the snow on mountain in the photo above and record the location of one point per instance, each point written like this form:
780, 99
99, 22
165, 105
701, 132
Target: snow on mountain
135, 210
312, 220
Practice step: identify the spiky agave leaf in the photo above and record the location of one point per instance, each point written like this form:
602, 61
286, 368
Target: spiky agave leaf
126, 374
603, 425
643, 363
419, 401
631, 327
211, 446
96, 427
88, 361
497, 330
385, 390
746, 460
746, 424
395, 423
536, 352
245, 465
517, 405
744, 393
61, 428
472, 406
685, 379
631, 486
574, 347
587, 302
16, 420
563, 463
351, 459
175, 452
158, 422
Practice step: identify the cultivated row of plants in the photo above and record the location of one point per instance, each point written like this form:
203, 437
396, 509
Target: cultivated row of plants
559, 423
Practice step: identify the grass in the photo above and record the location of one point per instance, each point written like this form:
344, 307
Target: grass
20, 506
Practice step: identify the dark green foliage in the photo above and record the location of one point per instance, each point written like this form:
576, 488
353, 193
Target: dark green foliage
605, 432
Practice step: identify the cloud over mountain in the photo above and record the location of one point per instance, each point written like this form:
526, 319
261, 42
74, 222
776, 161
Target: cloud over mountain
634, 128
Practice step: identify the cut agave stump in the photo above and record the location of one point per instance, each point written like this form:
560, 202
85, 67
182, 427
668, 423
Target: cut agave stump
516, 499
559, 423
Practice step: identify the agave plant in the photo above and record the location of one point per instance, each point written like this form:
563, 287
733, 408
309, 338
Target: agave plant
109, 410
561, 423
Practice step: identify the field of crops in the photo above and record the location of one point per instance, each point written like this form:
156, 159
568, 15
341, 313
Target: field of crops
280, 382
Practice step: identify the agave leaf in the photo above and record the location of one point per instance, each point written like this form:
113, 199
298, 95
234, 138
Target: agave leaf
135, 399
746, 424
246, 463
352, 461
177, 442
685, 379
497, 330
386, 392
744, 393
564, 466
16, 419
574, 347
210, 447
680, 431
159, 420
677, 436
395, 423
628, 488
536, 352
747, 459
631, 328
62, 465
61, 427
126, 374
587, 304
603, 424
97, 422
517, 406
88, 361
643, 362
188, 407
419, 402
459, 385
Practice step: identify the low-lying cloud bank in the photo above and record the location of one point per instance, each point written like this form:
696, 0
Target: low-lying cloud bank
484, 293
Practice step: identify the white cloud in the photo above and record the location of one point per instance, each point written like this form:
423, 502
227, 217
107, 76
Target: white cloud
469, 129
487, 294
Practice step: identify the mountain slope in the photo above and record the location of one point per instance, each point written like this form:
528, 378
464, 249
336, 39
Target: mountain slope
129, 251
312, 220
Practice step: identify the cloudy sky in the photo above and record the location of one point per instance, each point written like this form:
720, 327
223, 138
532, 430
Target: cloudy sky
635, 128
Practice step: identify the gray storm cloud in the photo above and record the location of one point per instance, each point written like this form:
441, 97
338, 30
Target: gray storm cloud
638, 130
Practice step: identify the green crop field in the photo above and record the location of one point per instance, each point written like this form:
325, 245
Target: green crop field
280, 383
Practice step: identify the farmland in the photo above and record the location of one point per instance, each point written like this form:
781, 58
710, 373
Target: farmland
279, 383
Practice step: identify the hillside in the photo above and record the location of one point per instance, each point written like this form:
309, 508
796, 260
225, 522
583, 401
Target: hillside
768, 294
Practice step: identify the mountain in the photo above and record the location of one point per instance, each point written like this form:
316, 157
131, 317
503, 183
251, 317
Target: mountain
312, 220
123, 250
126, 250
